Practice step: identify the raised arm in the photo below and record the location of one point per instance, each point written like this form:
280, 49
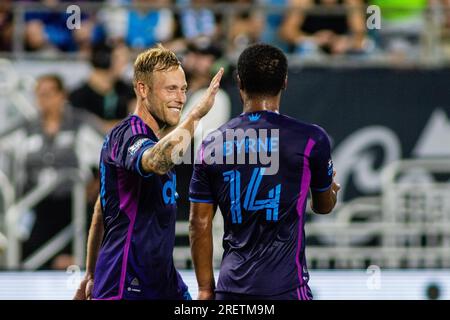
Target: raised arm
200, 236
95, 237
171, 148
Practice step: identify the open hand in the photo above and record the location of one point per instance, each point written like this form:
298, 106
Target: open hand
207, 100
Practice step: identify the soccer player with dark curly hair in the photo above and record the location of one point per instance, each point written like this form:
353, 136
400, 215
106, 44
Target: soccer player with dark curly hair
258, 168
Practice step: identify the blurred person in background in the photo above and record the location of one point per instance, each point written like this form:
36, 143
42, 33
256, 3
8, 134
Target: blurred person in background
245, 27
315, 32
6, 26
140, 26
105, 94
200, 63
46, 31
272, 22
445, 27
403, 22
59, 140
196, 21
446, 7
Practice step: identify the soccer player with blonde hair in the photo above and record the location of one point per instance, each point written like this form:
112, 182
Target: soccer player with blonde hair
132, 235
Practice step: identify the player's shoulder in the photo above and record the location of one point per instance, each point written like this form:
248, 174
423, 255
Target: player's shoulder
220, 131
121, 129
230, 124
116, 135
312, 129
129, 134
129, 127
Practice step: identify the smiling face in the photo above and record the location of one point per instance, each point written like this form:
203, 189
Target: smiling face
167, 95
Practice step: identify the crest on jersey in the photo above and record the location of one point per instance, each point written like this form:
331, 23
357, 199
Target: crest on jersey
330, 167
254, 117
135, 147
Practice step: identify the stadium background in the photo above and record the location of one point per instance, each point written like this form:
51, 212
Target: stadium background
385, 104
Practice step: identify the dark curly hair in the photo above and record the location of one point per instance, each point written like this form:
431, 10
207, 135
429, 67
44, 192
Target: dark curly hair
262, 69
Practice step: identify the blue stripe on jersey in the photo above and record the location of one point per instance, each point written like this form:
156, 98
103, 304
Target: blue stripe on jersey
321, 189
102, 184
234, 177
201, 200
145, 146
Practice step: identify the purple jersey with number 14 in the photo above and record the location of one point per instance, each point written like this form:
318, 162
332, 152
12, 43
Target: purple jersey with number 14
264, 214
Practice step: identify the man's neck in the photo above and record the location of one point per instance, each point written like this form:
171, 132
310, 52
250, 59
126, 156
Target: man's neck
261, 103
53, 115
51, 121
142, 112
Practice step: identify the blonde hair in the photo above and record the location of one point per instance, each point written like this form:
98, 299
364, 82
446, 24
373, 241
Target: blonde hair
157, 58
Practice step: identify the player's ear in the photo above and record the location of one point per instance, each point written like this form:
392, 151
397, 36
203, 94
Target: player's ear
239, 82
142, 89
284, 84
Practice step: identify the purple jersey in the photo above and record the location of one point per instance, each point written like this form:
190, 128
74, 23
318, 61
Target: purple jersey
264, 238
139, 213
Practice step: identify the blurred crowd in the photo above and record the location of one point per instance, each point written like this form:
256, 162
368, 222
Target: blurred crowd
204, 34
338, 27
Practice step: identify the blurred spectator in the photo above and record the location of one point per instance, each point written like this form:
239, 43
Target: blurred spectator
195, 22
198, 20
6, 26
337, 32
402, 25
272, 23
245, 27
47, 32
105, 94
200, 63
55, 141
445, 8
145, 24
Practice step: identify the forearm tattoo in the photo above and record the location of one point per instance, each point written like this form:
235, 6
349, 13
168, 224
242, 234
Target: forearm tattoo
162, 158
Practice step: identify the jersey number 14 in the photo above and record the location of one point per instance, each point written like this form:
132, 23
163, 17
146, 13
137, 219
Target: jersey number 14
271, 204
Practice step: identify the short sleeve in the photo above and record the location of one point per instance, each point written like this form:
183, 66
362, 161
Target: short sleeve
321, 163
200, 188
129, 154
